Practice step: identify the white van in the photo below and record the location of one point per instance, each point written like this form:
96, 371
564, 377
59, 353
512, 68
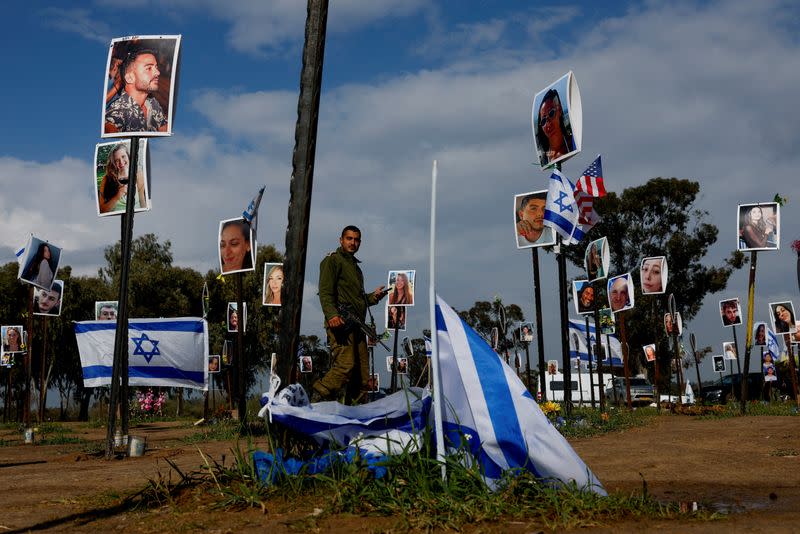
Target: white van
581, 388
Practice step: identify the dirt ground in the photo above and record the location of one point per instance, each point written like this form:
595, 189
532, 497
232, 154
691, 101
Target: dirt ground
747, 467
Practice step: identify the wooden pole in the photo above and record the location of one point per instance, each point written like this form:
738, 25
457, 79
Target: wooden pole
239, 364
394, 351
537, 300
599, 352
625, 370
562, 298
300, 186
42, 387
589, 350
788, 340
26, 407
748, 344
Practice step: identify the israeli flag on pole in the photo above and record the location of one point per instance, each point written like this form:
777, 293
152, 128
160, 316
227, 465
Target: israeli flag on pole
161, 352
579, 328
561, 211
772, 344
487, 404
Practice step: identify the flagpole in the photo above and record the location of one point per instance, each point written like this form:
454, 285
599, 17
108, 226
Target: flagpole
437, 376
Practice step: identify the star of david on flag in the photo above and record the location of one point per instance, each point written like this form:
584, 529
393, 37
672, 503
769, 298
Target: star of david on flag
139, 350
561, 210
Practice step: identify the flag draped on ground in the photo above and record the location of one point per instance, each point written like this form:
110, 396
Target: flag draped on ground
488, 407
162, 352
579, 329
588, 187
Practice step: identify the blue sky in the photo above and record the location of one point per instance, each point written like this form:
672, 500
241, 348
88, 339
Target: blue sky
701, 90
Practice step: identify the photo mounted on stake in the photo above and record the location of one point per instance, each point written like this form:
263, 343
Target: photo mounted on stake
402, 366
783, 317
552, 367
583, 296
6, 359
139, 82
111, 176
526, 332
596, 259
39, 264
729, 350
668, 323
233, 317
213, 363
48, 301
758, 226
768, 367
374, 383
650, 352
557, 121
106, 310
273, 282
730, 311
607, 324
401, 287
13, 339
653, 275
395, 316
719, 363
760, 334
236, 246
305, 364
529, 227
620, 292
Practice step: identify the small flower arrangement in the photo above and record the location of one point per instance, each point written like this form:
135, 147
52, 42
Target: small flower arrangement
151, 404
550, 408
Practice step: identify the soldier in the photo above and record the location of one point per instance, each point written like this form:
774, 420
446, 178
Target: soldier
341, 283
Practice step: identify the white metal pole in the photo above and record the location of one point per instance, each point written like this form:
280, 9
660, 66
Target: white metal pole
437, 375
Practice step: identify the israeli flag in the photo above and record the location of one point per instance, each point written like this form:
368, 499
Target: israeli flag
561, 211
486, 404
578, 328
161, 352
772, 345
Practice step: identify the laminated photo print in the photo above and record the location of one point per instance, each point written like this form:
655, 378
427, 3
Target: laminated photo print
306, 364
653, 275
758, 226
650, 352
374, 383
557, 122
783, 317
106, 310
597, 259
583, 297
111, 176
402, 366
729, 350
237, 246
607, 324
395, 318
48, 301
668, 324
730, 311
768, 367
39, 263
552, 367
13, 339
760, 334
233, 317
719, 363
6, 359
620, 292
139, 84
526, 332
273, 282
213, 363
401, 287
529, 228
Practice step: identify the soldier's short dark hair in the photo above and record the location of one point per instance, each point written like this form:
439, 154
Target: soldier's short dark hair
351, 228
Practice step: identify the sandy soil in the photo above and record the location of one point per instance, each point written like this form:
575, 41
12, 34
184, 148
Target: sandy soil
748, 467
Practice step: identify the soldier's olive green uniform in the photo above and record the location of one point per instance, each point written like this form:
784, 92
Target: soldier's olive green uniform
342, 282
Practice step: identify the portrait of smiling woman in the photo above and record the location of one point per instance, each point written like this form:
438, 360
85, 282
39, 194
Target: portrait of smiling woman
782, 317
653, 275
112, 175
235, 246
556, 121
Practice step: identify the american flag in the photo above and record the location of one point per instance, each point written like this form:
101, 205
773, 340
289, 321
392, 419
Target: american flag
589, 186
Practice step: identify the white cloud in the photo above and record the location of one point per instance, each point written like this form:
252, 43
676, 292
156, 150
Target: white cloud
78, 21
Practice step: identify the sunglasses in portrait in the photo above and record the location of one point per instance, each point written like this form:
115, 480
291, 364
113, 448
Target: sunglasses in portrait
549, 116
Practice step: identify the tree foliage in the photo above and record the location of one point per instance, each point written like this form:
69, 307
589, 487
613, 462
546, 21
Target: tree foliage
659, 218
